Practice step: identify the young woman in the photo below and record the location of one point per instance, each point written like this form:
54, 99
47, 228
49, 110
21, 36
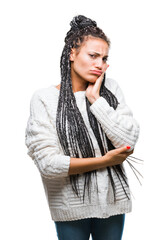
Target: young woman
79, 133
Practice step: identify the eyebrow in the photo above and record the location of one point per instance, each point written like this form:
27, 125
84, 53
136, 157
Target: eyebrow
98, 54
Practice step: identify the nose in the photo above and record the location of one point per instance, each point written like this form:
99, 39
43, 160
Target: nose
99, 63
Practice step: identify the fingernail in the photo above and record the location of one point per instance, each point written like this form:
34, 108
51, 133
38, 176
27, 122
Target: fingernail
128, 147
106, 67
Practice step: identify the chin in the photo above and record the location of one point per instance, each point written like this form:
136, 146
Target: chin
92, 79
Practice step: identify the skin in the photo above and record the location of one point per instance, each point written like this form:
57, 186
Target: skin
92, 55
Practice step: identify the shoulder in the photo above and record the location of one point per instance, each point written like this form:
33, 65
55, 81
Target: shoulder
114, 87
111, 84
45, 94
43, 100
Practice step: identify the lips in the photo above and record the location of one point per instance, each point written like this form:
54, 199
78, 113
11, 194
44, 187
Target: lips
96, 72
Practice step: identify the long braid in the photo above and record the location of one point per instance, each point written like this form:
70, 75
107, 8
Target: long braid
112, 100
71, 129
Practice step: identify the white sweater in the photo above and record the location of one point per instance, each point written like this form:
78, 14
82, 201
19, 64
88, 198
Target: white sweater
44, 148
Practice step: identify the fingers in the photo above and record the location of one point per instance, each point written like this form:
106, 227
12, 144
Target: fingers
102, 75
100, 78
126, 154
106, 68
131, 152
122, 149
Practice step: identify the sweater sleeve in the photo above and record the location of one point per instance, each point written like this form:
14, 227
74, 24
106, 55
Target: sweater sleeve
41, 141
119, 125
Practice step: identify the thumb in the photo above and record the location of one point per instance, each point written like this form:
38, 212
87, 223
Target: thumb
123, 149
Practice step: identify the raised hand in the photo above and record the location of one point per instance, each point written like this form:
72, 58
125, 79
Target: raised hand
93, 89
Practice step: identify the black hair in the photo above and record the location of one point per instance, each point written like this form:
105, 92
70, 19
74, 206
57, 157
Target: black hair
71, 129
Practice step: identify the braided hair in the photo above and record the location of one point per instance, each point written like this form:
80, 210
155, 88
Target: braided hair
71, 129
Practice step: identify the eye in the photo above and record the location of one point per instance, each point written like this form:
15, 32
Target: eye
105, 59
92, 55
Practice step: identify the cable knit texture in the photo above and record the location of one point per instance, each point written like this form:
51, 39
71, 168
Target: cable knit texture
44, 148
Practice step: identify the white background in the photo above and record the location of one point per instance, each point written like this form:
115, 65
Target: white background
32, 37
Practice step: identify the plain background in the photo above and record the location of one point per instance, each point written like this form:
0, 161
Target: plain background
32, 37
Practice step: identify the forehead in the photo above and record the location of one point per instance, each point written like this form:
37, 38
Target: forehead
95, 44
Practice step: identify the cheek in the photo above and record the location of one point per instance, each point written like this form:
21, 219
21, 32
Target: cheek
83, 65
86, 62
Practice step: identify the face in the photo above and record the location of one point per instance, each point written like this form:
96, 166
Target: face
90, 61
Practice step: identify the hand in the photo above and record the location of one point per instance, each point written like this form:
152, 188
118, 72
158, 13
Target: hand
116, 156
93, 89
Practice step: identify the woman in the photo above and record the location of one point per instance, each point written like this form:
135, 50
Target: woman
78, 134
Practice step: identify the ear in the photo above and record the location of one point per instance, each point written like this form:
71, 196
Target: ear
72, 54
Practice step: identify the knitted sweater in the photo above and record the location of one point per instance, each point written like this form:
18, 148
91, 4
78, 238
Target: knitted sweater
44, 148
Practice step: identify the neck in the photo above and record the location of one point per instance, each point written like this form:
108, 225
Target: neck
78, 83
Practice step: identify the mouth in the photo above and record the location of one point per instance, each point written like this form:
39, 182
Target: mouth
96, 72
